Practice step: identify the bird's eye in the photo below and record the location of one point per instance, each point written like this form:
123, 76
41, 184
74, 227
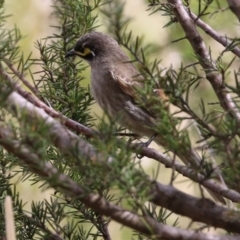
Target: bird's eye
85, 52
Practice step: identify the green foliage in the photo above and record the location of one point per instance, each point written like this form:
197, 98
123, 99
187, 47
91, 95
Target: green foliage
61, 84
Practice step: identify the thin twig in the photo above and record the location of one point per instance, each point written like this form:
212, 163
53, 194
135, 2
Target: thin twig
23, 79
44, 228
214, 34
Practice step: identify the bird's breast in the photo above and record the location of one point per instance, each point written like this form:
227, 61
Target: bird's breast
107, 93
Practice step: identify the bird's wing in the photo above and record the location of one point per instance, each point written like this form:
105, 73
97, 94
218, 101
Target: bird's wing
128, 84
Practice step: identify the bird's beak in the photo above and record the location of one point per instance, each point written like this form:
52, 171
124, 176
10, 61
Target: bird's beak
71, 53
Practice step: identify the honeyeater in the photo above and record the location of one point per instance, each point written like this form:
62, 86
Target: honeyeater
115, 83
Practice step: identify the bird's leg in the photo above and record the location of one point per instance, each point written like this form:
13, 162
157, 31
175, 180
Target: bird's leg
119, 134
132, 136
146, 144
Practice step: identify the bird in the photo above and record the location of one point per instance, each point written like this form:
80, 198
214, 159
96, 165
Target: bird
114, 84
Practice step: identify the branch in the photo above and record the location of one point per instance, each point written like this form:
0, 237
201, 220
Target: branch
60, 136
190, 173
43, 227
104, 230
234, 5
200, 49
151, 153
196, 209
70, 143
61, 182
185, 107
22, 78
75, 126
99, 222
214, 34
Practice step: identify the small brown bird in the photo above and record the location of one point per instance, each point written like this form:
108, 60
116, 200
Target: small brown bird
114, 84
114, 81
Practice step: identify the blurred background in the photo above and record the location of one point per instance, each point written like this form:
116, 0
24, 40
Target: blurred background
34, 19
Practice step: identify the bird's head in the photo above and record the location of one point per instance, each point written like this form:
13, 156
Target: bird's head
93, 45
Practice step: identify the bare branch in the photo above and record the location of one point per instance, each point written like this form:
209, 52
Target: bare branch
191, 174
201, 51
22, 78
214, 34
196, 209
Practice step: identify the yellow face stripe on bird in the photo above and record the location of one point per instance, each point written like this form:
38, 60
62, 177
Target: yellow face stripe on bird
86, 51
